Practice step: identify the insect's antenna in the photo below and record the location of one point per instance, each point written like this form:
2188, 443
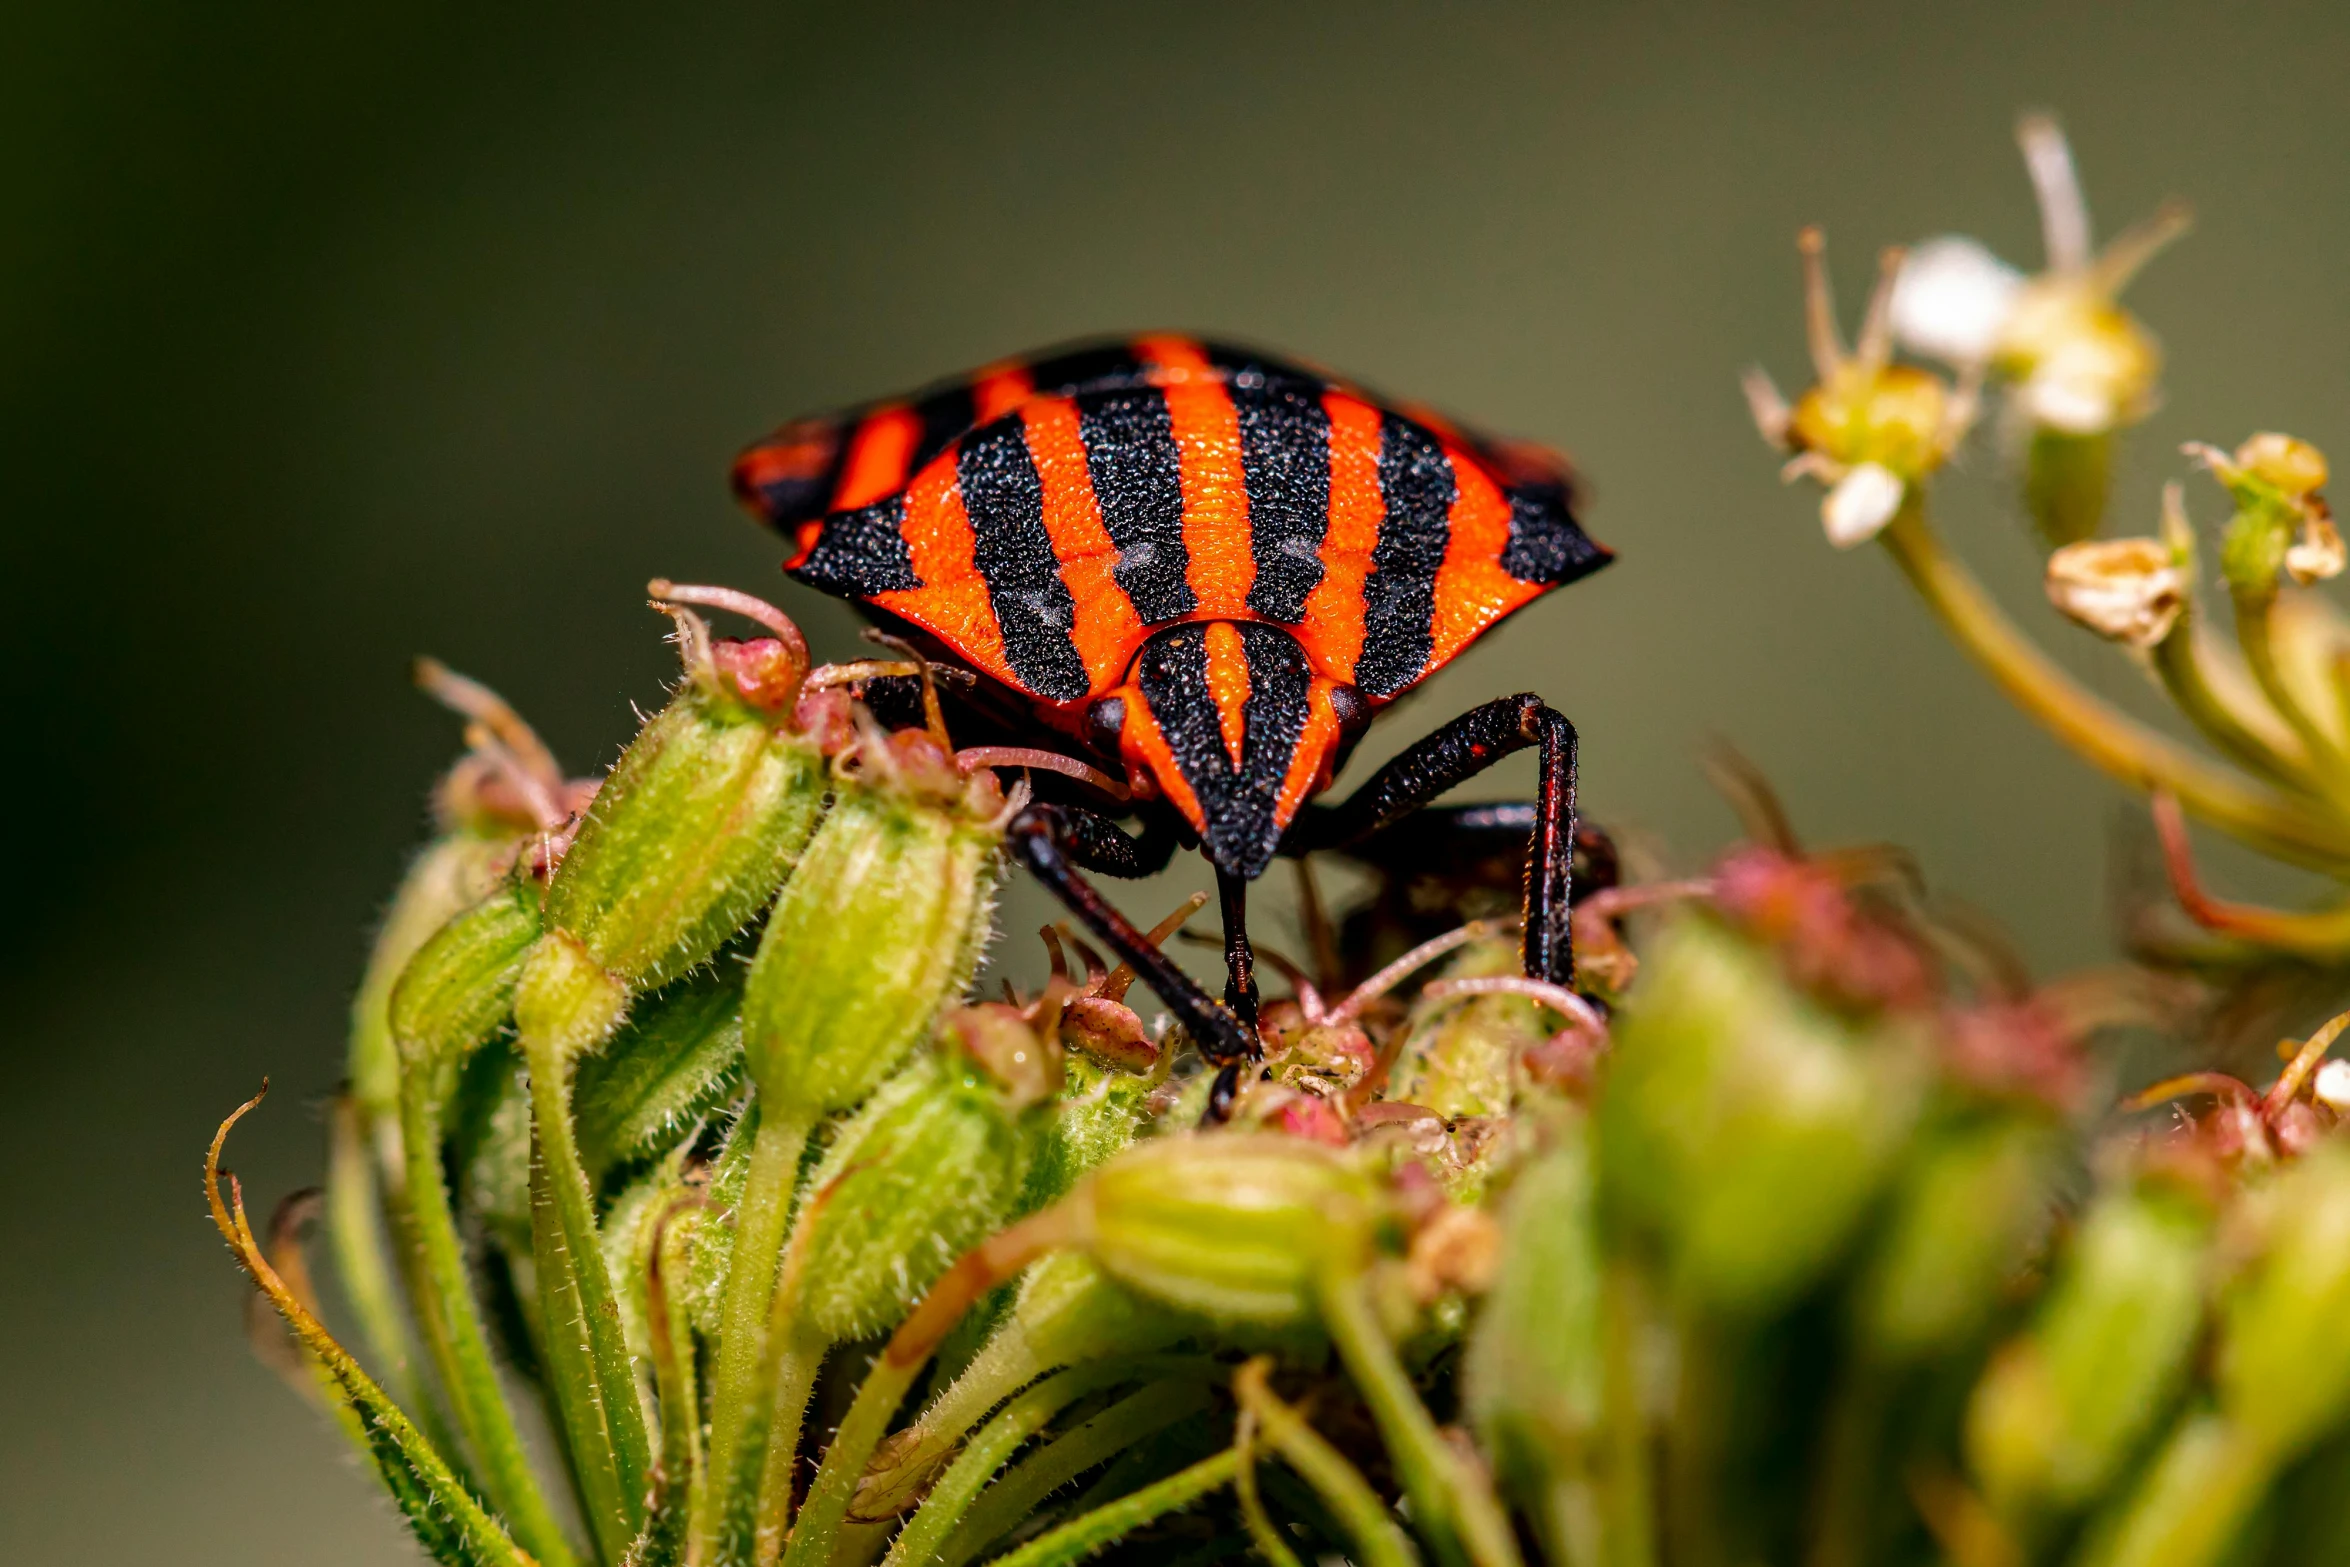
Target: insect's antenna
934, 717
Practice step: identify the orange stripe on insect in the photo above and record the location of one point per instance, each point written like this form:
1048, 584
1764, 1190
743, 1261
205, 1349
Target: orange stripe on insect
1228, 686
1221, 560
1106, 631
1309, 765
1472, 590
952, 602
878, 455
998, 389
1143, 746
1332, 630
1174, 358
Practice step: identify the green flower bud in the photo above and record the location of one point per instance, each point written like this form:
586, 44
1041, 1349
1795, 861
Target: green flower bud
2282, 525
691, 834
2284, 1357
1237, 1226
1964, 1211
1460, 1058
927, 1169
677, 1059
2067, 478
1099, 1110
1535, 1371
2063, 1407
877, 931
1746, 1123
456, 992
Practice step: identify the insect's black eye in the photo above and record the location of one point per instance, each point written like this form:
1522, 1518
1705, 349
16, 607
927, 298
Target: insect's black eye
1105, 721
1353, 711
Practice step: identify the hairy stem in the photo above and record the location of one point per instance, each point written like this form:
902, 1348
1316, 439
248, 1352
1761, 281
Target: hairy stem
739, 1390
1453, 1502
1080, 1538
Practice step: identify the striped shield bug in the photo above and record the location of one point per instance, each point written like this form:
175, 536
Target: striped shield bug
1189, 575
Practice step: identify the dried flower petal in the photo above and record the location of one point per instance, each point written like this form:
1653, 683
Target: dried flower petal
2129, 590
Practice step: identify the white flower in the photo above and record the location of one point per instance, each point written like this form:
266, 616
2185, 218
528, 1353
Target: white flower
1951, 298
2332, 1086
2081, 364
1868, 429
1860, 504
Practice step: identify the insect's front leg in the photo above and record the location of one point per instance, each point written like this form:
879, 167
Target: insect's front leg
1052, 841
1452, 755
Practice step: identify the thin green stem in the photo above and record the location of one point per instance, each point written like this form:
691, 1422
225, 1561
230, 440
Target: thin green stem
2255, 634
1453, 1503
1270, 1542
455, 1338
1627, 1504
1012, 1499
1080, 1538
681, 1479
2192, 1503
359, 1193
738, 1385
797, 1360
986, 1452
588, 1361
2178, 662
1365, 1516
818, 1527
2120, 746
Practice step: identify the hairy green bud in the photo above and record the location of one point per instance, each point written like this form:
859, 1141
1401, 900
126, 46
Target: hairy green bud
1963, 1213
2066, 1404
1745, 1122
1099, 1110
2284, 1358
457, 990
927, 1169
690, 835
676, 1059
1236, 1226
1460, 1057
877, 931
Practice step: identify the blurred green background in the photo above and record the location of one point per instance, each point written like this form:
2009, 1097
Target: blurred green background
329, 335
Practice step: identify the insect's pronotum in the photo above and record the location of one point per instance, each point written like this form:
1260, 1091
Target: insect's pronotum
1206, 570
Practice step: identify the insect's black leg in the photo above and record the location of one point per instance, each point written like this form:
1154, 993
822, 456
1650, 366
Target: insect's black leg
1240, 959
1459, 751
1052, 840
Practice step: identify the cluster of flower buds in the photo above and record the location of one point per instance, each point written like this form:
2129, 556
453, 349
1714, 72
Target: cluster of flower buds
1798, 1121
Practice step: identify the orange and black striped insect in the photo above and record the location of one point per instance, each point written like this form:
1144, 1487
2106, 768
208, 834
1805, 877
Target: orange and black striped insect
1206, 569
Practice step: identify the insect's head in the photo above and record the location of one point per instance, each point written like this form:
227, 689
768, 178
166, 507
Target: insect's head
1227, 722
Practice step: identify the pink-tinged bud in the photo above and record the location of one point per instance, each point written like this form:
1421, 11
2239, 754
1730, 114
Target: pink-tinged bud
1004, 1044
1829, 945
